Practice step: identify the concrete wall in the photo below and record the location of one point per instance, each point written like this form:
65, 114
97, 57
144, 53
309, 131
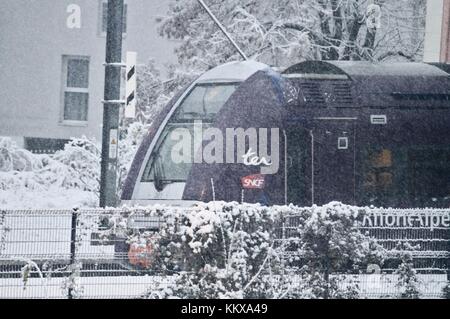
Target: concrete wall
33, 38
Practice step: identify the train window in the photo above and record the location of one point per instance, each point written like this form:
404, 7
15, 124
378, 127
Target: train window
163, 168
406, 177
429, 175
378, 176
203, 103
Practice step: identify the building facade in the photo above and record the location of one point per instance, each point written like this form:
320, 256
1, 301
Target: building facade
437, 33
51, 58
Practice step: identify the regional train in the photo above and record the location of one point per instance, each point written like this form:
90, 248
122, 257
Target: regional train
356, 132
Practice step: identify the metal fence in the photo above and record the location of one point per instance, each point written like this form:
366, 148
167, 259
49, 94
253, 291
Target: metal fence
59, 254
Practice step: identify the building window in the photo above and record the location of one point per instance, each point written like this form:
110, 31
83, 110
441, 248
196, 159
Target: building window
104, 17
75, 88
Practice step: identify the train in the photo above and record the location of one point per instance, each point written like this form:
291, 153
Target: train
357, 132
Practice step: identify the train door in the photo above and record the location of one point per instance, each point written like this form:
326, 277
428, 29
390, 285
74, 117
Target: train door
320, 162
333, 161
298, 165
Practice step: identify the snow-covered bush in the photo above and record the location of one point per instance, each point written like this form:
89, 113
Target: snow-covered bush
408, 281
75, 170
330, 243
227, 250
13, 158
68, 177
221, 250
77, 167
18, 167
81, 160
446, 291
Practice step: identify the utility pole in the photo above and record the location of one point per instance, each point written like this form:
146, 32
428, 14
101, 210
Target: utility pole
112, 103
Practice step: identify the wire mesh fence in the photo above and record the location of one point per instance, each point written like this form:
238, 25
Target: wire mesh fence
81, 254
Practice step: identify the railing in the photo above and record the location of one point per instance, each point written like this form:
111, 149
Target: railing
63, 254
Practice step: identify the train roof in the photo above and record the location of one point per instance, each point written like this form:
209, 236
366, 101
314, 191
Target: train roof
232, 72
371, 84
354, 69
443, 66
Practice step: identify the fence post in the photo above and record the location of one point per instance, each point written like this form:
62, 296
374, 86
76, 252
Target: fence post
73, 239
448, 263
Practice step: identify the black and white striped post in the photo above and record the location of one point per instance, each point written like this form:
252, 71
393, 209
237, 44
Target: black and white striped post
130, 91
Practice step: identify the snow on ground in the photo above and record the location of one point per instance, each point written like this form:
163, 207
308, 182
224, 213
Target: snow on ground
48, 236
53, 198
65, 179
89, 287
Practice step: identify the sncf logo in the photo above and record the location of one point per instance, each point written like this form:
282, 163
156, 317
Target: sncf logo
253, 181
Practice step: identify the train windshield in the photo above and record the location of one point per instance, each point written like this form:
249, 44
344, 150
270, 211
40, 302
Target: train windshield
175, 151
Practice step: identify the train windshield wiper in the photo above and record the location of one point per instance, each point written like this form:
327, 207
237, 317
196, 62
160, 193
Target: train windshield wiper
191, 116
159, 174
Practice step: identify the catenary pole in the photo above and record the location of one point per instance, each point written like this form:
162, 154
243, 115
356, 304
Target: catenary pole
112, 103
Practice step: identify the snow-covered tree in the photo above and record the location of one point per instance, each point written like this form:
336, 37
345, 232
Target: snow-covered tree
285, 32
153, 91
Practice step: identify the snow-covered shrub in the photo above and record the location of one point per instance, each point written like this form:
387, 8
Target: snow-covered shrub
18, 166
77, 167
81, 160
13, 158
330, 243
67, 178
73, 170
446, 291
408, 281
227, 250
220, 250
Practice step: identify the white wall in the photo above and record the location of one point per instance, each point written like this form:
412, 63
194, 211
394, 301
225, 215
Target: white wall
433, 31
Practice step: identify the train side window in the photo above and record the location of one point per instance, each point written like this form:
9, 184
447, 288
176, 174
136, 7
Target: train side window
378, 176
429, 174
161, 166
411, 176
